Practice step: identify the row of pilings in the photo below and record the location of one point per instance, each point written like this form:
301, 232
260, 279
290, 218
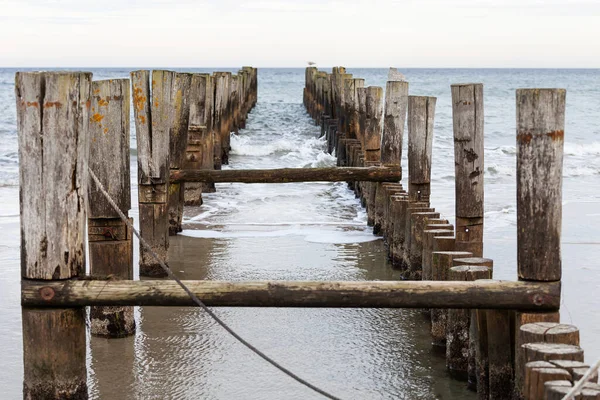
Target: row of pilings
67, 122
502, 354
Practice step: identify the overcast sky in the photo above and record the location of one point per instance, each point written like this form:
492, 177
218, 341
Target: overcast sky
277, 33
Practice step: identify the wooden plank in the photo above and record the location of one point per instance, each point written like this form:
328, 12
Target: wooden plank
540, 142
385, 294
286, 175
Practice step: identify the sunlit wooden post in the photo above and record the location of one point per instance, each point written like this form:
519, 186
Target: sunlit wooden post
53, 111
110, 239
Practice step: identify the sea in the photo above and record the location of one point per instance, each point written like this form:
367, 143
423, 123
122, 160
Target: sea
318, 231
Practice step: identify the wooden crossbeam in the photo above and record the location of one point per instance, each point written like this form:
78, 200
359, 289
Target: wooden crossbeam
288, 175
486, 294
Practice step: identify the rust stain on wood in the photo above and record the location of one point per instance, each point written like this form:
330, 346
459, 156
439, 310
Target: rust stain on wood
50, 104
33, 104
47, 293
556, 135
524, 137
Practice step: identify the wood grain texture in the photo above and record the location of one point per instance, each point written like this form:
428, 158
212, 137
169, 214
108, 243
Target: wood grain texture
421, 112
386, 294
54, 354
109, 147
467, 117
286, 175
415, 254
540, 142
53, 109
52, 124
373, 123
500, 341
539, 332
396, 105
460, 338
441, 262
178, 137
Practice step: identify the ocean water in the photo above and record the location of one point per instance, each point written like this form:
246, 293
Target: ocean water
318, 231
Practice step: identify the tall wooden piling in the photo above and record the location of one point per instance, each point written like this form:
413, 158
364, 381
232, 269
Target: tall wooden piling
467, 116
373, 117
152, 125
53, 110
221, 121
200, 150
396, 105
110, 240
396, 102
421, 112
540, 141
178, 138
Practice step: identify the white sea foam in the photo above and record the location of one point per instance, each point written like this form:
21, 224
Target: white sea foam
323, 234
582, 149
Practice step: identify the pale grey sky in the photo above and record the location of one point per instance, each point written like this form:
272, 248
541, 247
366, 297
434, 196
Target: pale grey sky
277, 33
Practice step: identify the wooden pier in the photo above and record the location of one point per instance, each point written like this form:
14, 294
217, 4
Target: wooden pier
504, 339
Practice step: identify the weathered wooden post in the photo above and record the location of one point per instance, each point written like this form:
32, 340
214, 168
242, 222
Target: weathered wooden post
441, 263
467, 116
178, 137
396, 103
371, 149
53, 111
373, 116
421, 112
234, 91
110, 239
473, 336
221, 122
152, 111
460, 340
253, 85
199, 153
540, 142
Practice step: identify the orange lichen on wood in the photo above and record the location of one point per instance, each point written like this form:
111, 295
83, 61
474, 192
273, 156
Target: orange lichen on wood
139, 100
97, 118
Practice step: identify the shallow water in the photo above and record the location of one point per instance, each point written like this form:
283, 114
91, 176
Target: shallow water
318, 231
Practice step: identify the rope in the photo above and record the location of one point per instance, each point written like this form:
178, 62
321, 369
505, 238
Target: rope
199, 302
579, 385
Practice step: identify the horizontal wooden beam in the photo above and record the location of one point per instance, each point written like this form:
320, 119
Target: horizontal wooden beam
488, 294
287, 175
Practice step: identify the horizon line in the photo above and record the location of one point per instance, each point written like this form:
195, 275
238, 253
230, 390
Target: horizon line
296, 67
